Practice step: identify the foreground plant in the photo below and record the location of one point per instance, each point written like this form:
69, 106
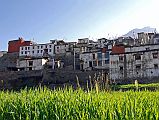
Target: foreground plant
69, 104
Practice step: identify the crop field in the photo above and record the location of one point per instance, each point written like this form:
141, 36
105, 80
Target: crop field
69, 104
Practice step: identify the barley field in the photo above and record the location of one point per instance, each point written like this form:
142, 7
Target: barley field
69, 104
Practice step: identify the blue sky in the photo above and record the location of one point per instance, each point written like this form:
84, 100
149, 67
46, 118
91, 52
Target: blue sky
43, 20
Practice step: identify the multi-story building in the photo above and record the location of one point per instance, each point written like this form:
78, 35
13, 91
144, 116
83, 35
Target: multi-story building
14, 45
40, 50
37, 50
98, 59
134, 62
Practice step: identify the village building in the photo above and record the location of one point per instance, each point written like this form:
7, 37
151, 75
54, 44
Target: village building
28, 64
37, 50
14, 45
132, 62
98, 59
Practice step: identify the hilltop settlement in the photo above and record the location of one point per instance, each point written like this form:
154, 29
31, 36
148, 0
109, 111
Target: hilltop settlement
122, 60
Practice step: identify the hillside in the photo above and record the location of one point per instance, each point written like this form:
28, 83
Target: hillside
133, 33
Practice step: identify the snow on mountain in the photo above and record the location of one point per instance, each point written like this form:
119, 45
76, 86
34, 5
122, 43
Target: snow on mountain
133, 33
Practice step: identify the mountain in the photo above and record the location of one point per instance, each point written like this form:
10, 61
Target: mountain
133, 33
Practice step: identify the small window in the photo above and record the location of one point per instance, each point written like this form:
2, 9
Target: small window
156, 66
33, 47
45, 46
37, 51
93, 56
30, 63
30, 68
33, 52
121, 58
41, 51
38, 47
28, 48
94, 63
22, 52
138, 67
41, 47
25, 48
22, 48
155, 55
49, 50
50, 46
99, 63
137, 57
147, 48
25, 52
57, 47
106, 61
121, 68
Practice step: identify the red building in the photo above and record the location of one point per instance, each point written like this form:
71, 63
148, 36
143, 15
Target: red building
118, 49
14, 45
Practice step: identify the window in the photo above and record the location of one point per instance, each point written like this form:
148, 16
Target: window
37, 51
50, 46
106, 61
30, 63
25, 52
41, 51
93, 56
99, 63
28, 48
45, 46
33, 47
121, 68
94, 63
30, 68
137, 57
156, 66
38, 47
138, 67
99, 55
33, 52
121, 58
45, 50
155, 55
90, 63
22, 52
25, 48
22, 48
147, 48
41, 47
49, 50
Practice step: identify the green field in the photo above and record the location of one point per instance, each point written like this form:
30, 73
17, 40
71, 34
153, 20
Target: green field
152, 87
69, 104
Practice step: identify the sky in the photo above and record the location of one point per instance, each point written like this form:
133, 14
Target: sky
43, 20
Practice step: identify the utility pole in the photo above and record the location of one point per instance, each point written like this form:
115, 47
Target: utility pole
74, 59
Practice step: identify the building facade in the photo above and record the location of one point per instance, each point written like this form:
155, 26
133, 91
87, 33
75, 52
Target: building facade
94, 60
37, 50
135, 62
14, 45
28, 64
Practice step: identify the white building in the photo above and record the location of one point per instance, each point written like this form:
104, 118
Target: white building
135, 62
61, 48
31, 64
37, 50
94, 60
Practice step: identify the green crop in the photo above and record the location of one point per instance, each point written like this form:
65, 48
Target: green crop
69, 104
